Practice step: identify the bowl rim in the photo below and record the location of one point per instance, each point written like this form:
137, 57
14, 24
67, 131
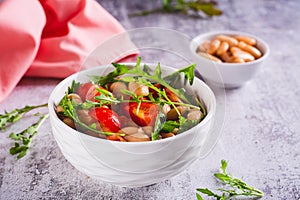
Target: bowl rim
198, 38
69, 79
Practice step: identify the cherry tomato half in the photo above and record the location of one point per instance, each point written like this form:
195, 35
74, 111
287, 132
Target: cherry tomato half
108, 119
146, 115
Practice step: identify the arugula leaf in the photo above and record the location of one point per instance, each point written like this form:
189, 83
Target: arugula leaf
189, 74
16, 115
109, 78
157, 72
186, 124
160, 119
24, 138
129, 93
169, 126
208, 192
208, 8
156, 78
202, 108
223, 166
104, 100
185, 7
199, 196
74, 86
238, 187
146, 69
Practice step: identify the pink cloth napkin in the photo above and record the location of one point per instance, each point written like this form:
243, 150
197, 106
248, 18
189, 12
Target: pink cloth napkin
50, 38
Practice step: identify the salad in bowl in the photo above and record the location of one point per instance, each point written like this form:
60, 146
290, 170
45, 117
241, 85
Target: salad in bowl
130, 104
132, 124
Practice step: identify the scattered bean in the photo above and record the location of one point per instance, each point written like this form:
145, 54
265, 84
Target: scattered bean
130, 130
226, 56
138, 89
126, 121
237, 60
69, 122
194, 114
167, 135
172, 114
175, 131
137, 137
75, 97
166, 108
230, 40
183, 109
223, 48
85, 117
238, 53
117, 87
59, 109
215, 44
250, 49
148, 130
210, 57
248, 40
205, 46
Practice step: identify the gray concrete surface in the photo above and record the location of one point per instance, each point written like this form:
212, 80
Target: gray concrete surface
260, 137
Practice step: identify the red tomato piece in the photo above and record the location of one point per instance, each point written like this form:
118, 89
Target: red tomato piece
82, 90
147, 113
108, 119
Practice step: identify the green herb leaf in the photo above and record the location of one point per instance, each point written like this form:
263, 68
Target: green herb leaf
128, 79
110, 78
16, 115
208, 192
199, 196
24, 138
157, 72
174, 78
160, 119
208, 8
238, 187
223, 166
129, 93
182, 6
186, 124
104, 100
74, 86
169, 126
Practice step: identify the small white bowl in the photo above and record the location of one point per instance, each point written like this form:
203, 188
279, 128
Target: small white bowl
131, 164
227, 75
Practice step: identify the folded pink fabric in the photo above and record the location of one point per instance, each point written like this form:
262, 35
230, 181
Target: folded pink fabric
50, 38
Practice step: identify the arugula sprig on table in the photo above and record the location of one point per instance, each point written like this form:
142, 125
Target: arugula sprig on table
237, 187
22, 139
15, 115
184, 7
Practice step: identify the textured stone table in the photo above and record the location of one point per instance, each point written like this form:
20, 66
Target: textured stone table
260, 136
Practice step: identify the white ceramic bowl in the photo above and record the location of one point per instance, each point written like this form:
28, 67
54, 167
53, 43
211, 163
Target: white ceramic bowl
130, 164
228, 75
